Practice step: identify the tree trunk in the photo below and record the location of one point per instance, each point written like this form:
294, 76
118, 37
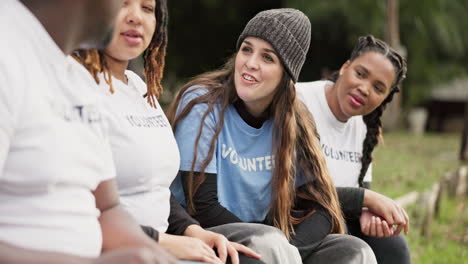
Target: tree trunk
464, 141
391, 115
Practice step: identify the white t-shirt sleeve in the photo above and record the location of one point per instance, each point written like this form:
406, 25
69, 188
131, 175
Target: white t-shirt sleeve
368, 176
107, 161
187, 131
10, 105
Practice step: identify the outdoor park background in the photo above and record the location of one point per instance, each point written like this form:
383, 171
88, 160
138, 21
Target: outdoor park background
434, 36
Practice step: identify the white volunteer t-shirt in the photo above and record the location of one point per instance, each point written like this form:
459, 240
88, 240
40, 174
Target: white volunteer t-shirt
53, 145
341, 142
144, 149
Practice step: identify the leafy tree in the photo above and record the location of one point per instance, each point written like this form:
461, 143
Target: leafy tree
433, 32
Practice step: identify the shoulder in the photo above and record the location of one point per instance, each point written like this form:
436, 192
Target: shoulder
195, 91
310, 88
18, 67
79, 69
11, 71
80, 74
199, 109
137, 81
192, 93
357, 123
311, 92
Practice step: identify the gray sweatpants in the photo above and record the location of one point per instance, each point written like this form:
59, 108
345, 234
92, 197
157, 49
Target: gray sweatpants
266, 240
274, 248
342, 249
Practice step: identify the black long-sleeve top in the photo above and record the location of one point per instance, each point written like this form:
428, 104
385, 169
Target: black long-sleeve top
209, 212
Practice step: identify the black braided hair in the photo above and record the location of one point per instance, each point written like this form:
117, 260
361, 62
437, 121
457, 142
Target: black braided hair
373, 119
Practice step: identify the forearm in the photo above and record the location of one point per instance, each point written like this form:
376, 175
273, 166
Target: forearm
119, 230
14, 255
208, 211
215, 215
351, 201
179, 219
193, 230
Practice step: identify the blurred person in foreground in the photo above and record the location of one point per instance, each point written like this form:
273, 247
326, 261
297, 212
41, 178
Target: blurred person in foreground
58, 196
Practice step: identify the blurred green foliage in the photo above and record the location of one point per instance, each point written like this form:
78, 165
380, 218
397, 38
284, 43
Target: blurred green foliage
434, 33
203, 34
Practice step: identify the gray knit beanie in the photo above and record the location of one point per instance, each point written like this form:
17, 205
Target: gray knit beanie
287, 30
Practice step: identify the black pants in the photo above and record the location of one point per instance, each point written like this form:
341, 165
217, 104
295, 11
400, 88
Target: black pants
387, 250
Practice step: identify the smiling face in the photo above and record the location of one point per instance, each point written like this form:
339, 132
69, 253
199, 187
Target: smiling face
258, 72
362, 86
134, 29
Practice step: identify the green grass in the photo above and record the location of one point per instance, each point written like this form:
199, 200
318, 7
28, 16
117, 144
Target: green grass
406, 163
446, 242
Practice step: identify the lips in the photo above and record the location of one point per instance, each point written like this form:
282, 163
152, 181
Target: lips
132, 33
248, 78
356, 100
133, 37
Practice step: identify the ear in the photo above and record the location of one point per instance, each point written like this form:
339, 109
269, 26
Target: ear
344, 66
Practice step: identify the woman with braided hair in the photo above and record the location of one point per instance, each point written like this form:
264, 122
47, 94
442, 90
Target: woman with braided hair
347, 110
143, 145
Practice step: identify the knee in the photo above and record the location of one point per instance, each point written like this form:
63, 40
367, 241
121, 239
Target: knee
250, 233
348, 249
360, 251
391, 249
273, 245
266, 240
267, 236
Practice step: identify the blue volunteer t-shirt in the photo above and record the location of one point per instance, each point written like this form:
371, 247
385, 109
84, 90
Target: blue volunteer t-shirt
242, 159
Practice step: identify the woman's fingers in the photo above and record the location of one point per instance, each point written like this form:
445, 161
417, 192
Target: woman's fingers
386, 229
379, 231
398, 230
221, 245
233, 254
372, 231
245, 250
406, 228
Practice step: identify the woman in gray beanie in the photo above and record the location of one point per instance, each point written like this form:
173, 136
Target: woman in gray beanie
250, 150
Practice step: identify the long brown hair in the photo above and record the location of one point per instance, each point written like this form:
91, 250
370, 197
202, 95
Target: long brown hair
154, 57
373, 120
295, 146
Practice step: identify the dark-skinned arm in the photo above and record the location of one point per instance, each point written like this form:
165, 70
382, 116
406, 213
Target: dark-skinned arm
119, 229
10, 254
